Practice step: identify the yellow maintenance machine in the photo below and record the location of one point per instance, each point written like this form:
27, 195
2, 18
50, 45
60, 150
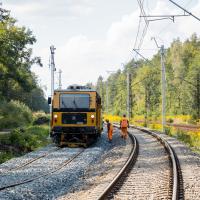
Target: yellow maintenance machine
76, 116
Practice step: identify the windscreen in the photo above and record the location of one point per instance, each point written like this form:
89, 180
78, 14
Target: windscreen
74, 101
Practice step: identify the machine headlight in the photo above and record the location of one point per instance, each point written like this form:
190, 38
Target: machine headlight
55, 116
92, 116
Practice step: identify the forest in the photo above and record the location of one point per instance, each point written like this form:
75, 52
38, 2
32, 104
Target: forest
18, 84
182, 62
182, 66
23, 122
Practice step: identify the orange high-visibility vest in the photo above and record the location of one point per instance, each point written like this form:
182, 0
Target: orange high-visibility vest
124, 123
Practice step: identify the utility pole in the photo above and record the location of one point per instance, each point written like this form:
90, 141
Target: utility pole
53, 69
107, 97
163, 88
59, 79
128, 95
163, 84
198, 95
102, 93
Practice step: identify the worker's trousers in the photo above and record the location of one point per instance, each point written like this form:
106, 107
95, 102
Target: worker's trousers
110, 133
124, 132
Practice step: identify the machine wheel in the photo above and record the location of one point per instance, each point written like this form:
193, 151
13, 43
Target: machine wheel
56, 138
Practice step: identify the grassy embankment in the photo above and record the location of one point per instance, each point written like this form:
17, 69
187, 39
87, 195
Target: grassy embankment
183, 127
26, 131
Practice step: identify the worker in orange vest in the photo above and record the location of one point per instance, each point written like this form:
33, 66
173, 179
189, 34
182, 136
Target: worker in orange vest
124, 125
110, 130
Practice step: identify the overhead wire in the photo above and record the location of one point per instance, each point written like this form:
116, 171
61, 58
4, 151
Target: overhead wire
138, 30
146, 23
169, 23
138, 43
141, 3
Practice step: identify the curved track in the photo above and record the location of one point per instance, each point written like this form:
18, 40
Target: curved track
119, 178
177, 179
43, 175
176, 175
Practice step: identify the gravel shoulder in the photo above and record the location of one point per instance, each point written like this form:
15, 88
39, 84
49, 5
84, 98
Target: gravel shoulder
190, 166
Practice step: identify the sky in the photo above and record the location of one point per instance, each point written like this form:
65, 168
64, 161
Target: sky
93, 37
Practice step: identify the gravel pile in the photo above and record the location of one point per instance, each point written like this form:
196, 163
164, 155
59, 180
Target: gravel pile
57, 184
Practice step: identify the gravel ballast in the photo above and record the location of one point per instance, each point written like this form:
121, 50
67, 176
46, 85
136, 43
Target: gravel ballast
89, 173
190, 167
98, 176
150, 176
19, 161
57, 184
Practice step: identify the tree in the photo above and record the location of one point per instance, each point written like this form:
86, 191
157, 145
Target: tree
16, 79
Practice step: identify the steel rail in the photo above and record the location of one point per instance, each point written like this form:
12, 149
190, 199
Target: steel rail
129, 163
29, 162
177, 191
38, 177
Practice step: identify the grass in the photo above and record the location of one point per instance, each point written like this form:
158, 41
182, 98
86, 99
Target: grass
190, 138
21, 141
6, 155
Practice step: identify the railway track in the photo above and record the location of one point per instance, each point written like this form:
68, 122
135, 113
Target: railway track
62, 165
175, 181
121, 176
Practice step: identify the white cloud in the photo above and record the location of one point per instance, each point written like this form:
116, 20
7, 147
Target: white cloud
79, 10
83, 59
26, 8
52, 8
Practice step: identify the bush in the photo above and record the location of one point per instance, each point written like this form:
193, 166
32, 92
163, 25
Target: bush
183, 136
170, 120
21, 141
4, 156
192, 121
40, 118
29, 139
168, 131
14, 114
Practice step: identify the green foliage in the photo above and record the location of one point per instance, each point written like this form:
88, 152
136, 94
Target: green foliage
21, 141
168, 131
181, 135
182, 60
14, 114
29, 139
40, 118
4, 156
170, 120
17, 82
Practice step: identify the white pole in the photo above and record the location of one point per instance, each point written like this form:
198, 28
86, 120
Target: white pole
128, 95
163, 87
107, 97
52, 49
60, 80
